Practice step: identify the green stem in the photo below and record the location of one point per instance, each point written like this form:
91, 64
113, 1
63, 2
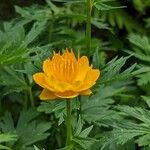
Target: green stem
25, 99
31, 97
88, 25
68, 124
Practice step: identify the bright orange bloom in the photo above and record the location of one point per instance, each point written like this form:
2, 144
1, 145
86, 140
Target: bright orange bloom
65, 76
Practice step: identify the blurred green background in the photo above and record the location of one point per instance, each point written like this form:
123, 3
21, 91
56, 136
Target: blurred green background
7, 10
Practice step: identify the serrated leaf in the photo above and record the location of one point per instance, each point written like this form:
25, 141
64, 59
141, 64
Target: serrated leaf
144, 140
33, 33
147, 100
4, 147
86, 132
78, 127
28, 129
7, 137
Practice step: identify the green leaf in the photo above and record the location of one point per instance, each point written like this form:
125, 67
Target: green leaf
10, 51
147, 100
138, 113
78, 127
144, 140
141, 46
69, 1
28, 124
17, 82
101, 5
4, 147
86, 132
111, 71
7, 137
144, 78
36, 148
115, 17
36, 29
129, 129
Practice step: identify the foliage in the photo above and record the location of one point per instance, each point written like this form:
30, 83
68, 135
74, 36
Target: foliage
116, 116
129, 128
6, 138
26, 129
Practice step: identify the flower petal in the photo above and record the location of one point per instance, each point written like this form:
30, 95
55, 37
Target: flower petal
86, 92
90, 79
83, 67
92, 75
69, 55
62, 86
56, 57
47, 67
47, 95
76, 85
67, 94
56, 85
39, 79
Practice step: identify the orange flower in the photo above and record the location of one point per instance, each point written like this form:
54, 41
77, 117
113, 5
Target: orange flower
66, 77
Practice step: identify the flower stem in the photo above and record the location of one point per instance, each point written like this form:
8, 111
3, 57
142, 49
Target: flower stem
88, 26
25, 99
68, 125
31, 97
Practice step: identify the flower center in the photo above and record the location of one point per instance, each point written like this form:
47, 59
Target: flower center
65, 70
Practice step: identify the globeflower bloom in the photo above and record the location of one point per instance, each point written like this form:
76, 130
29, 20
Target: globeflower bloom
64, 76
